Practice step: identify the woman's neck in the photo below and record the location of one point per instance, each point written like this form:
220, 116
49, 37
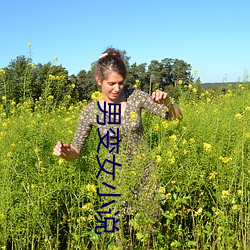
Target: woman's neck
120, 99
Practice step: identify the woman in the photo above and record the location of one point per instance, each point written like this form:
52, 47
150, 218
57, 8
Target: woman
110, 74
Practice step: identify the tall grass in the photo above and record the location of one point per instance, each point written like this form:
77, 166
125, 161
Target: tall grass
202, 162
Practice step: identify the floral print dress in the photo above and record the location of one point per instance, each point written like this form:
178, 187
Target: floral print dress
130, 128
138, 191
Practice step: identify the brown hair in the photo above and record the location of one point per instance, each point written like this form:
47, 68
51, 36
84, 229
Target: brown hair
110, 60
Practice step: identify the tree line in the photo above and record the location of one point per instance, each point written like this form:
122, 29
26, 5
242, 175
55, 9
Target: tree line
22, 79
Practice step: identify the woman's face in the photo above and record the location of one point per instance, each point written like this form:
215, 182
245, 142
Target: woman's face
112, 86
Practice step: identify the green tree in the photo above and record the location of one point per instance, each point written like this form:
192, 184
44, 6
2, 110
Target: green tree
18, 79
52, 80
86, 84
168, 72
181, 71
138, 73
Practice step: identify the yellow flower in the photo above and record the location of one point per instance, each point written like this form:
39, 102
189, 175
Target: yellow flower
218, 212
171, 160
3, 97
137, 81
2, 72
247, 108
91, 188
4, 124
225, 159
238, 116
168, 196
173, 137
81, 219
164, 124
194, 90
33, 186
207, 147
90, 217
61, 161
198, 212
225, 193
180, 82
13, 103
9, 154
158, 159
96, 96
135, 86
133, 116
87, 207
162, 190
56, 58
212, 175
184, 141
50, 97
247, 135
190, 86
29, 44
195, 71
239, 192
156, 127
2, 217
175, 122
235, 207
133, 173
191, 140
51, 77
37, 149
73, 85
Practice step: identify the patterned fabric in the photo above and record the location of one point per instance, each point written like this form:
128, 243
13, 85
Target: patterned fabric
139, 190
130, 129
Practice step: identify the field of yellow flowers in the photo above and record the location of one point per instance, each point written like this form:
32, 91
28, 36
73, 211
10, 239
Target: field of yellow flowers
202, 162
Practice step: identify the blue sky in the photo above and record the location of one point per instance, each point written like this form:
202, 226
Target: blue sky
212, 36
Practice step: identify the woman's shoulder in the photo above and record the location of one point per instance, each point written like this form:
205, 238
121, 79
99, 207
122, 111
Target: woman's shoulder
90, 108
136, 93
89, 105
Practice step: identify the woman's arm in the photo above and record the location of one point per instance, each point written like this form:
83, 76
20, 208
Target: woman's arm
163, 98
70, 152
159, 104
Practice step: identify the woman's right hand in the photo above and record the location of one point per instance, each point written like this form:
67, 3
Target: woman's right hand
66, 151
61, 149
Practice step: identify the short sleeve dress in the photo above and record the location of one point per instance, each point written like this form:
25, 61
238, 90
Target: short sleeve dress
131, 134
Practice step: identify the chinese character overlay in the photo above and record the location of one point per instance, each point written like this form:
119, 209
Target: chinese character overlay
114, 113
111, 142
106, 222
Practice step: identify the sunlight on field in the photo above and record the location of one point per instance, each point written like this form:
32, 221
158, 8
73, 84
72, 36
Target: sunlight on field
203, 163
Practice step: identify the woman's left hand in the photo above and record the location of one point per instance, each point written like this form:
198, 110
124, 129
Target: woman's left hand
161, 97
